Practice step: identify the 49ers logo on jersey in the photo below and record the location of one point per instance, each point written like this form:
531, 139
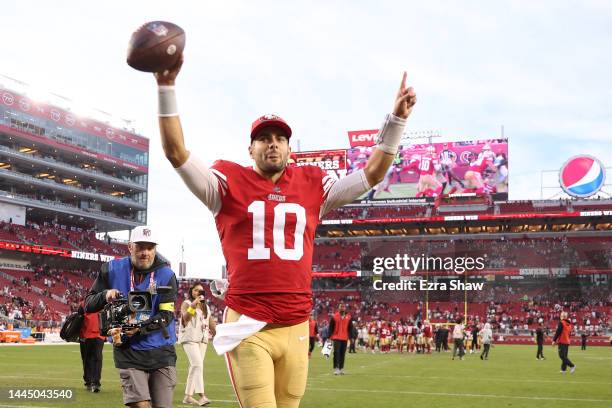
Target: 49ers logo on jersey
277, 197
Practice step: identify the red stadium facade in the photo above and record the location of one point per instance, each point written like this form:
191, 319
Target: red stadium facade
64, 179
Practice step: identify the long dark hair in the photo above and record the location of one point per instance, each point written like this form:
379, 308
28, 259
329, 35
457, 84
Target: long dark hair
191, 288
192, 298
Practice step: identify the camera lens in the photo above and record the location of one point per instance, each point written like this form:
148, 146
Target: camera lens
138, 302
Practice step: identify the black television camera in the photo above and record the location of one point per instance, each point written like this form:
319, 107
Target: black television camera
125, 314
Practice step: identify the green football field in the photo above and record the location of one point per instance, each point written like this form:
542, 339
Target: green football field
512, 377
404, 190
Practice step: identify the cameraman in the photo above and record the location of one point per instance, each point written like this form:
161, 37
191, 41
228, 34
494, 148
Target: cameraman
146, 358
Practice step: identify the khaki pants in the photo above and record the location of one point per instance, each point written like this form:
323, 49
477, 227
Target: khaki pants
156, 386
269, 369
195, 376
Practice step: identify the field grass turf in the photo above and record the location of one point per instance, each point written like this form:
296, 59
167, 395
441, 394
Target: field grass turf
512, 377
404, 190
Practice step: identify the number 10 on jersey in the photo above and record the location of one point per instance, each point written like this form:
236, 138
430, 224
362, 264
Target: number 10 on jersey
259, 250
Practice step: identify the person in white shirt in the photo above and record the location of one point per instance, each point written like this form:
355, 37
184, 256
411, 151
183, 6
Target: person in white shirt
458, 339
486, 336
195, 327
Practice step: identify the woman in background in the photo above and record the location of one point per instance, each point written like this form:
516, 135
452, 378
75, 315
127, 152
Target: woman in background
195, 327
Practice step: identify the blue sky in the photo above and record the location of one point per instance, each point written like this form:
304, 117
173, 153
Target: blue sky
540, 69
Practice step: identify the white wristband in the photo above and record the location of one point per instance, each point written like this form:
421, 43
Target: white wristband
390, 134
167, 101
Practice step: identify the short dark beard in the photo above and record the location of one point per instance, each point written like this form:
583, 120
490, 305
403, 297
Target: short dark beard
273, 169
135, 263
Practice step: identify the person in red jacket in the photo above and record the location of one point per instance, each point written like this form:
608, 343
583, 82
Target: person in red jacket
562, 338
313, 330
91, 351
339, 328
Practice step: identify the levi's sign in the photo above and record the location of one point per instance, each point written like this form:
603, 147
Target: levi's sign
362, 137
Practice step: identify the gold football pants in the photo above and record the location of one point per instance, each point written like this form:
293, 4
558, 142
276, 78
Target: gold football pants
269, 369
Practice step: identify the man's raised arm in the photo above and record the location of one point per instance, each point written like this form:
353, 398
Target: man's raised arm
352, 186
170, 128
390, 135
198, 178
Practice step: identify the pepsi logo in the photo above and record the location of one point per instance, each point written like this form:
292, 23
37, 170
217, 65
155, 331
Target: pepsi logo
582, 176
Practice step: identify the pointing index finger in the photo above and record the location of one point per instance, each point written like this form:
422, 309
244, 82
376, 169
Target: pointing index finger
402, 87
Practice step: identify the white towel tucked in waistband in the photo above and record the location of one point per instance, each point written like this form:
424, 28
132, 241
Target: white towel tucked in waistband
229, 335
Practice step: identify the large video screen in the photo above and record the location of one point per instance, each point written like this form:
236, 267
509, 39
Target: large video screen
332, 161
477, 167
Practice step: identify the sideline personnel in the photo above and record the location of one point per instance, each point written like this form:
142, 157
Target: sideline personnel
562, 338
146, 360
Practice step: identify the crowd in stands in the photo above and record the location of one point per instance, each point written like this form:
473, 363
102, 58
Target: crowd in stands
32, 298
336, 256
42, 294
501, 253
463, 207
60, 236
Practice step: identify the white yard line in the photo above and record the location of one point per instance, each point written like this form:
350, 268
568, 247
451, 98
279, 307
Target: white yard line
480, 378
450, 394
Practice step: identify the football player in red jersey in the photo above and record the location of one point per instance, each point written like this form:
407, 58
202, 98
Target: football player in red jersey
474, 176
400, 337
266, 216
373, 333
426, 165
428, 335
410, 337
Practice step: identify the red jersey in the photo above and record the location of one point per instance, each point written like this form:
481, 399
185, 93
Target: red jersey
312, 328
400, 330
564, 337
90, 329
427, 331
341, 326
373, 329
385, 332
423, 164
267, 232
481, 164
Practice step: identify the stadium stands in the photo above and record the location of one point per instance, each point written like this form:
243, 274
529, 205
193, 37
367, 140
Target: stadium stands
465, 207
57, 236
